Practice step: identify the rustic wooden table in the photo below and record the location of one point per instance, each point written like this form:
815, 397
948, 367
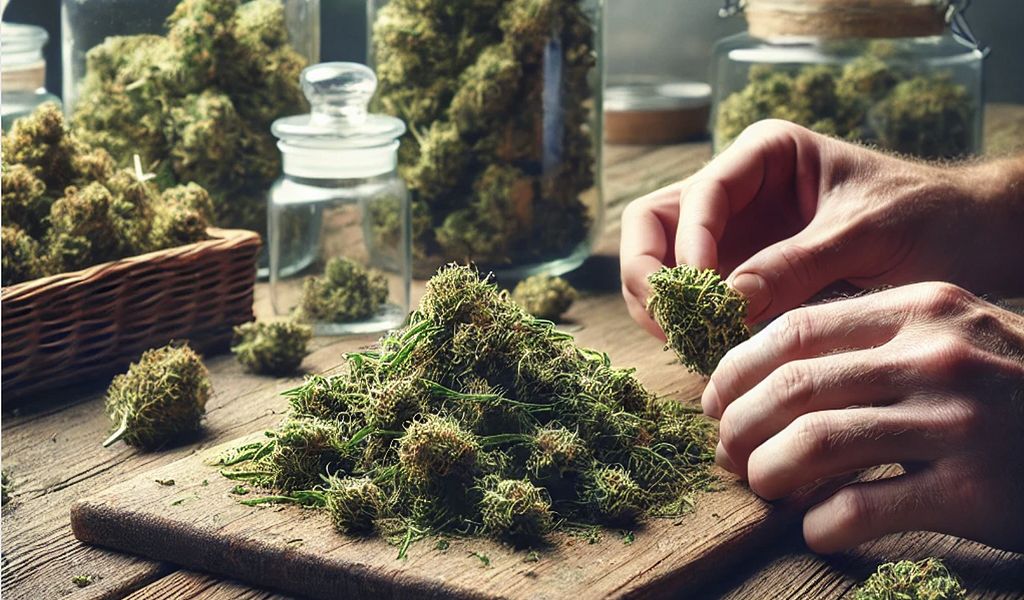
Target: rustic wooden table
51, 446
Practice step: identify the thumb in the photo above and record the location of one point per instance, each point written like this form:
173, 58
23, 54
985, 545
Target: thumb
785, 275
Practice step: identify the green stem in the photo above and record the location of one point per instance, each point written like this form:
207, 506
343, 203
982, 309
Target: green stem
121, 430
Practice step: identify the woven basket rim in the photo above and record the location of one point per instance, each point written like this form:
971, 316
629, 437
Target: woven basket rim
217, 237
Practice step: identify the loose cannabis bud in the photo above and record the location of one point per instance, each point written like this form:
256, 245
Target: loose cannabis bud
83, 580
197, 104
545, 296
702, 317
478, 418
347, 292
271, 348
159, 399
516, 508
873, 99
65, 206
354, 504
436, 448
926, 579
472, 80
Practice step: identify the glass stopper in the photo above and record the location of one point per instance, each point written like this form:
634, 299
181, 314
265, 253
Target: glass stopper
338, 92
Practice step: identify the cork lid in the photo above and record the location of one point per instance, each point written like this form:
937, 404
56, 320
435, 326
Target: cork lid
840, 19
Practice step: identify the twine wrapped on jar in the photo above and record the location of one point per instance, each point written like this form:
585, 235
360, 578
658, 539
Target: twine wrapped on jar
839, 19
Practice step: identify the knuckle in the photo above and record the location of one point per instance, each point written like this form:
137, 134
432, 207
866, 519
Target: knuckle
943, 299
815, 436
851, 509
729, 433
790, 386
962, 421
793, 330
759, 477
946, 357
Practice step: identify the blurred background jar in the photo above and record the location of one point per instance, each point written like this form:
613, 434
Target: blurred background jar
885, 72
340, 252
503, 104
23, 73
192, 87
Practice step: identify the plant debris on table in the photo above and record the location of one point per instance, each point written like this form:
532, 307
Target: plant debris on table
926, 579
67, 207
159, 399
545, 296
702, 316
478, 418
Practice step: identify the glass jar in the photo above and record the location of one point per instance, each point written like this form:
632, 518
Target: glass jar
351, 272
503, 106
889, 74
23, 71
192, 87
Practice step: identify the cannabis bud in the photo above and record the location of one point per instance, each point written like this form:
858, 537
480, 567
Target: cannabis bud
435, 448
354, 503
614, 494
196, 104
159, 398
347, 292
472, 80
271, 348
702, 317
545, 296
926, 579
65, 206
874, 98
516, 508
478, 418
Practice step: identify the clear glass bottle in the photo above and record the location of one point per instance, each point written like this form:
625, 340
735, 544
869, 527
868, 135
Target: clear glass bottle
503, 105
192, 86
351, 272
890, 74
23, 71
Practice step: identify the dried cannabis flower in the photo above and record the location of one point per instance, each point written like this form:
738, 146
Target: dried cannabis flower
65, 206
354, 504
873, 98
484, 160
159, 399
927, 579
516, 508
271, 348
347, 292
702, 317
545, 296
197, 104
478, 418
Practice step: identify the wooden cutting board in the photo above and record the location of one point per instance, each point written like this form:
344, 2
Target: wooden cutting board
198, 523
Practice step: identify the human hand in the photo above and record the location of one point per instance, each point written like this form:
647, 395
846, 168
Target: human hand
785, 212
927, 376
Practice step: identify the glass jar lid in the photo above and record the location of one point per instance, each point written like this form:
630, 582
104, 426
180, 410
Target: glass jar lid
339, 138
23, 44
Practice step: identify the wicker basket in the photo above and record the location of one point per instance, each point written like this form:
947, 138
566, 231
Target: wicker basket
75, 326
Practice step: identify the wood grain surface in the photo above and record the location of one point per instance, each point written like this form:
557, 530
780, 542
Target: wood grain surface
51, 446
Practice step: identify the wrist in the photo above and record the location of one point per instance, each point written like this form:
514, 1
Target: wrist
995, 190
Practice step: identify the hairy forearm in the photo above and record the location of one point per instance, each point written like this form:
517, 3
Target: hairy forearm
997, 189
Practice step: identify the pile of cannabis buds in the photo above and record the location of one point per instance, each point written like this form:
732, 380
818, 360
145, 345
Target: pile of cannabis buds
477, 418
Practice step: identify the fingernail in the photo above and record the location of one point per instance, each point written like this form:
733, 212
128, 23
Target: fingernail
709, 401
755, 289
722, 459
